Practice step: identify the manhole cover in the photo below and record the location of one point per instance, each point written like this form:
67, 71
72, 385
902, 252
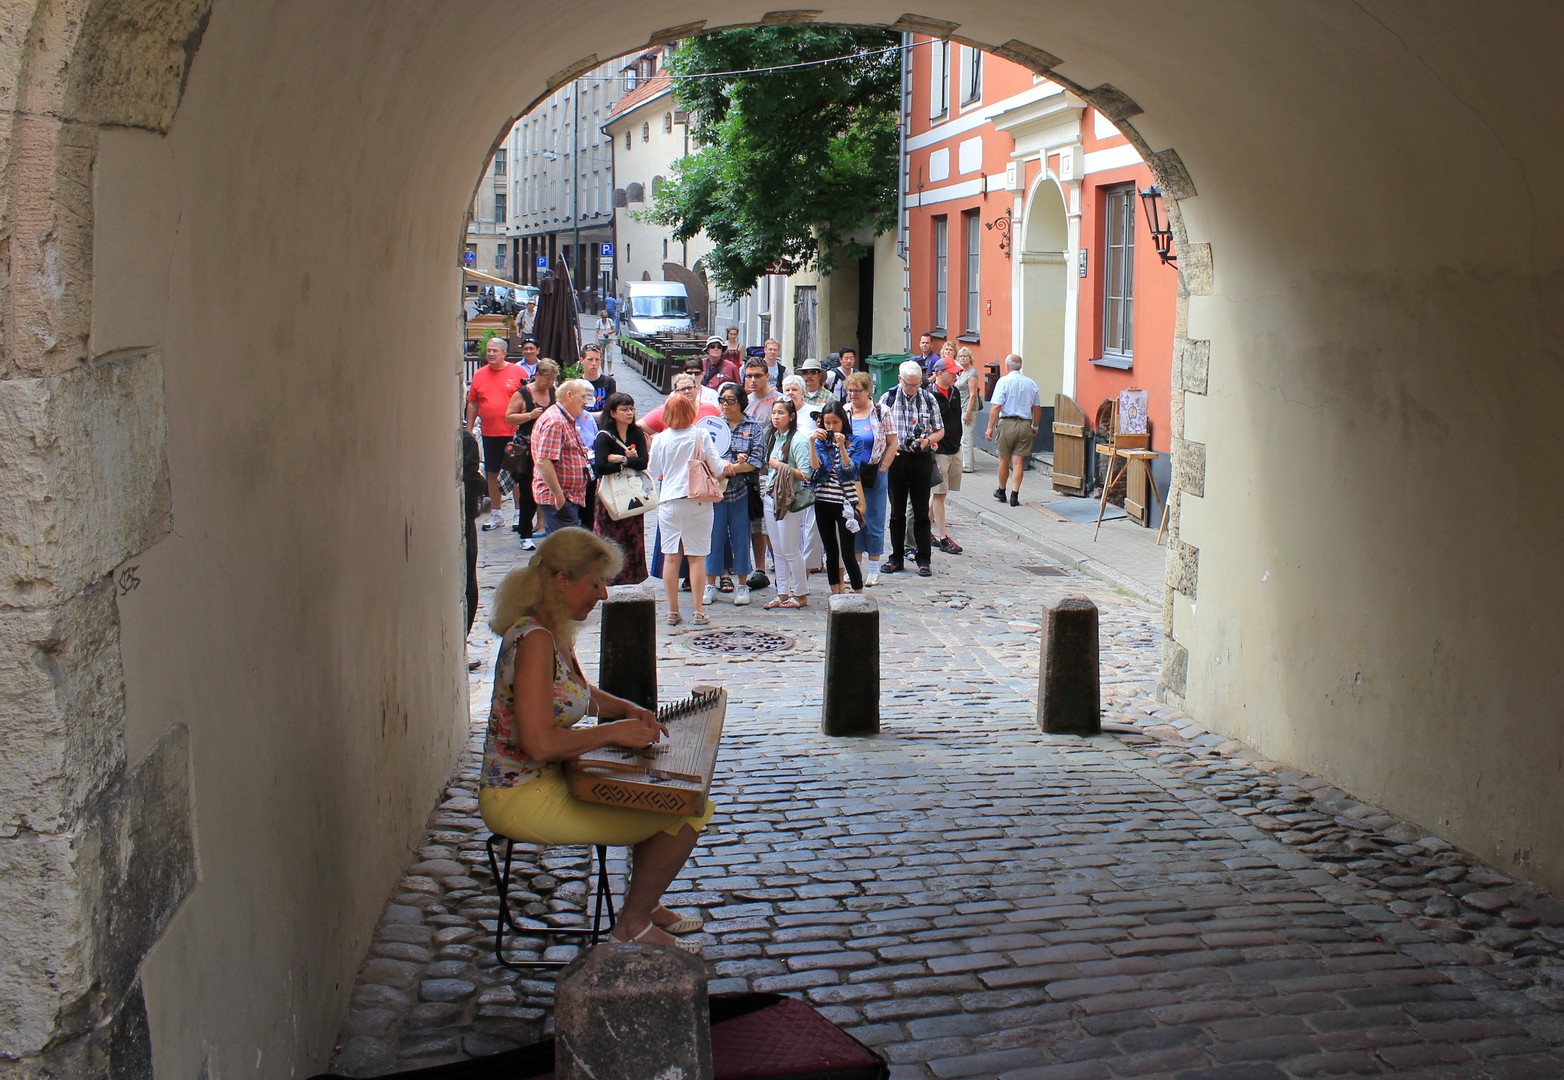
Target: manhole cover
740, 641
1045, 571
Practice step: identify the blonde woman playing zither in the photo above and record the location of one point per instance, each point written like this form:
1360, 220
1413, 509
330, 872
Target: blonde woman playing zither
540, 692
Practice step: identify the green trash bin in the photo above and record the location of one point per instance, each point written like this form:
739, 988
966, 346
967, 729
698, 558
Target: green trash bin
882, 367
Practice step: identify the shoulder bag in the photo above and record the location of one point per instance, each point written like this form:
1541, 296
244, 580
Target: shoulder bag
701, 484
627, 493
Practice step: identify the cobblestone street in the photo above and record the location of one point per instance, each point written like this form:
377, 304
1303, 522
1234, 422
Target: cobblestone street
975, 899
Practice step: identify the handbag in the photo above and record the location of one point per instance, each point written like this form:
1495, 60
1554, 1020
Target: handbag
701, 485
627, 493
517, 454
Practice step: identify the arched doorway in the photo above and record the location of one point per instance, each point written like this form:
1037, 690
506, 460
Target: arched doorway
1047, 307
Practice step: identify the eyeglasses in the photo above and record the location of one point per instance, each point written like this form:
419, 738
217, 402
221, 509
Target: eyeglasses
728, 401
855, 390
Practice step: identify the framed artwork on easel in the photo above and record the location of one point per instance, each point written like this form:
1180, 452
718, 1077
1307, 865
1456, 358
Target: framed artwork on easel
1133, 419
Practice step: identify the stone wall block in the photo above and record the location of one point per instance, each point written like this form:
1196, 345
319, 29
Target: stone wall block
1189, 466
142, 835
1183, 566
1195, 269
61, 712
47, 967
130, 65
1192, 366
1174, 681
73, 507
48, 230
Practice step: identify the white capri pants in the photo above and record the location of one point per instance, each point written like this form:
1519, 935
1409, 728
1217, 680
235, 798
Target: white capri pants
785, 554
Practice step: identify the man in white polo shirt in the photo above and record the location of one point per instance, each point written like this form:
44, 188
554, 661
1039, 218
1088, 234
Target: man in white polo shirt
1017, 413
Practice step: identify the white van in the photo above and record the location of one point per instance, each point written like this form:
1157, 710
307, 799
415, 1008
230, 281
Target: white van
654, 307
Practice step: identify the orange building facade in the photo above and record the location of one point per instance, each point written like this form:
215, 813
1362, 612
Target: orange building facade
1024, 233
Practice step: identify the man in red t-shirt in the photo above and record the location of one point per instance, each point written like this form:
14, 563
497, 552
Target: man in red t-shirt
492, 387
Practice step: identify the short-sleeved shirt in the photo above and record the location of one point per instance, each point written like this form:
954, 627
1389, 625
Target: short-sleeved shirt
491, 391
602, 386
1016, 395
744, 440
759, 408
950, 409
912, 415
555, 438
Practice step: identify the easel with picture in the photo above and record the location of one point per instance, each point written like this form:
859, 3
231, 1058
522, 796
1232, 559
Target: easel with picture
1129, 442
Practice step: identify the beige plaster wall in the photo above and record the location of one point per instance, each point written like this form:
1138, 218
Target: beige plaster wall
1376, 551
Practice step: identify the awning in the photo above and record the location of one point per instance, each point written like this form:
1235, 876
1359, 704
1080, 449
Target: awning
479, 275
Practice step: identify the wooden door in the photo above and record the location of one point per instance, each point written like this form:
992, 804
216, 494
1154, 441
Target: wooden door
1070, 467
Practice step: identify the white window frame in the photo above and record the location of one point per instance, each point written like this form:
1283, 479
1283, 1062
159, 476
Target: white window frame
939, 78
1118, 275
971, 75
941, 248
973, 229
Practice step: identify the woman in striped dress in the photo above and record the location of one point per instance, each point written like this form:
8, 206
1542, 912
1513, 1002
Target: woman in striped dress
838, 501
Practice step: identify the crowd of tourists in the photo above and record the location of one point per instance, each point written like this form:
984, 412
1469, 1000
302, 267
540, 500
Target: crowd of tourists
745, 467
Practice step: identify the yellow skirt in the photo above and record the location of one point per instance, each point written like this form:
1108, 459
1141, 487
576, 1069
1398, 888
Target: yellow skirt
543, 811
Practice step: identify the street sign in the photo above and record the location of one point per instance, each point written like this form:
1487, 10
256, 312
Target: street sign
608, 251
542, 262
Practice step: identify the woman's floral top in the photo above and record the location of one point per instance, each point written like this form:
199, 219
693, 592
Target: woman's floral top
505, 763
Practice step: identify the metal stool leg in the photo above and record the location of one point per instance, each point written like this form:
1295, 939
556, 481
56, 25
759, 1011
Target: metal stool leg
603, 900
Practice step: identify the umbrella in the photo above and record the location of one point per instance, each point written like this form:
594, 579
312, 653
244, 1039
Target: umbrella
558, 330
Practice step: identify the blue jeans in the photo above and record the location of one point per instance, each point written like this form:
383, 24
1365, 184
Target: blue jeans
556, 518
730, 536
871, 538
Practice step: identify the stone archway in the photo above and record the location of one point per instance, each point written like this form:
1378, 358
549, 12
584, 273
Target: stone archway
231, 235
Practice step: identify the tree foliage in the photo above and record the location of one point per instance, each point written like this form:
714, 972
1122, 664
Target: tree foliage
793, 166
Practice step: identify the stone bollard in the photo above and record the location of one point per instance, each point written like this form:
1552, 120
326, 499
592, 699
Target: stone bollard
852, 667
632, 1010
627, 647
1069, 690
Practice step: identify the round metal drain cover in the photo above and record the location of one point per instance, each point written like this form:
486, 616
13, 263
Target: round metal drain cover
740, 641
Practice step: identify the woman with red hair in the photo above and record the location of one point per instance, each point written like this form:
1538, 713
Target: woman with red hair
684, 524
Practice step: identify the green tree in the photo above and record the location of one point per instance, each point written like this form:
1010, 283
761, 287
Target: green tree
792, 164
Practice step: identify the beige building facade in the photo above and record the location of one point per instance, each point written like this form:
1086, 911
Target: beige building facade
231, 644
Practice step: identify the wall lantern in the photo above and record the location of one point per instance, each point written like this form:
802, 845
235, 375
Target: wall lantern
1001, 225
1161, 235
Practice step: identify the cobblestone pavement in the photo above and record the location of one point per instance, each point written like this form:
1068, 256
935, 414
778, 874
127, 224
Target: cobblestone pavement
975, 899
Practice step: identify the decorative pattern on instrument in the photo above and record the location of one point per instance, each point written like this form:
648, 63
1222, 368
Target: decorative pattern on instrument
671, 777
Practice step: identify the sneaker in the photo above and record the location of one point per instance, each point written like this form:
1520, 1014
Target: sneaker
999, 493
494, 522
758, 580
741, 595
872, 578
709, 596
891, 568
528, 545
910, 555
1015, 498
924, 571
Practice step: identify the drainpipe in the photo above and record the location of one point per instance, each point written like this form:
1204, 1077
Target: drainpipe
901, 193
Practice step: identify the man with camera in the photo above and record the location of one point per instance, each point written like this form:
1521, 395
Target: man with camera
919, 426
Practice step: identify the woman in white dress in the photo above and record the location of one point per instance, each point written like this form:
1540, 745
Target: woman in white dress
684, 523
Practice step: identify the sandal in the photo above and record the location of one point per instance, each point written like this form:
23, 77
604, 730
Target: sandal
700, 619
724, 584
674, 618
790, 602
775, 602
684, 924
683, 946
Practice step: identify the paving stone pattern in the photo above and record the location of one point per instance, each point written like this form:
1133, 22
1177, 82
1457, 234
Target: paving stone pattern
975, 899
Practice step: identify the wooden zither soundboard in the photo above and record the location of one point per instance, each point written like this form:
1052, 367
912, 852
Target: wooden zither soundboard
671, 777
